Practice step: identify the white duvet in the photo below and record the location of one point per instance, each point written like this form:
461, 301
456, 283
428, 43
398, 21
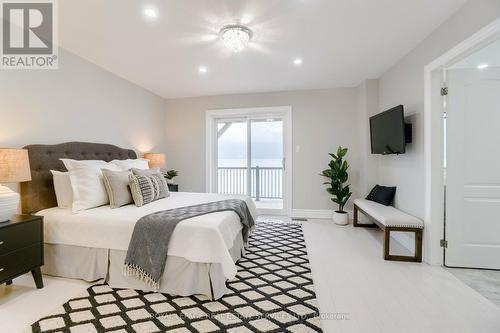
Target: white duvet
203, 239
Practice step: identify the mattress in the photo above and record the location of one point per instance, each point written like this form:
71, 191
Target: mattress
201, 239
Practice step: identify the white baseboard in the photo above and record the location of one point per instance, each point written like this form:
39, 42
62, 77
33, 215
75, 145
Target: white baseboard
315, 213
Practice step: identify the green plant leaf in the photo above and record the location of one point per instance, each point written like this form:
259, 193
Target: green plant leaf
338, 175
170, 174
333, 155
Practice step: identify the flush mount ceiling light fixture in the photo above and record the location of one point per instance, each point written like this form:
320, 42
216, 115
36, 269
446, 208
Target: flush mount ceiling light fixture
236, 36
150, 13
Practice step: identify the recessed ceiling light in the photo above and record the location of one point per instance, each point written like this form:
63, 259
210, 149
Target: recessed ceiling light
203, 69
236, 36
151, 13
482, 66
297, 61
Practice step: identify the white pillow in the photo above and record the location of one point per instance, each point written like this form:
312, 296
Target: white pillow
72, 164
88, 186
63, 189
124, 165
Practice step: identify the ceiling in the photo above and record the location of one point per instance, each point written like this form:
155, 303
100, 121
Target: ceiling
341, 42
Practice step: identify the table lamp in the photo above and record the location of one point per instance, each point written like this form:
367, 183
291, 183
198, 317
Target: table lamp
14, 168
156, 160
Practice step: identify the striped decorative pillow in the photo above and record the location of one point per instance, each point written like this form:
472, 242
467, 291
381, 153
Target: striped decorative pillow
144, 189
147, 187
161, 184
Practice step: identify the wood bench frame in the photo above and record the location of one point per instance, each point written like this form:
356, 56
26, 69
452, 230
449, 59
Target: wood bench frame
387, 236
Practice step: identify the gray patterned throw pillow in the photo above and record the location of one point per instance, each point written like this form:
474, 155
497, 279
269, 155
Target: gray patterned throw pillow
147, 186
160, 185
142, 188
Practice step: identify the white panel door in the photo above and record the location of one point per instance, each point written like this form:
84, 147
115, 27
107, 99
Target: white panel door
473, 169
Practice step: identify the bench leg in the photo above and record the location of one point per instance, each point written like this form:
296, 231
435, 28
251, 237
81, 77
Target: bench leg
418, 245
387, 244
355, 220
355, 216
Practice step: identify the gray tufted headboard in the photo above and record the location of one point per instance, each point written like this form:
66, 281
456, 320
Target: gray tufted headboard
39, 193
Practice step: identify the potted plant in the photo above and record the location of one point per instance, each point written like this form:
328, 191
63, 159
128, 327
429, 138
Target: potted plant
170, 174
338, 176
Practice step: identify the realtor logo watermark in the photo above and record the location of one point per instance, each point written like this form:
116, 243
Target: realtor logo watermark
29, 35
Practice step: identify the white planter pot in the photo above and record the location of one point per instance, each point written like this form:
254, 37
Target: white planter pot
340, 218
9, 201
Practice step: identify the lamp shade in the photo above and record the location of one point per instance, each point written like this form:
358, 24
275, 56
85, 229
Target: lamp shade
14, 165
156, 160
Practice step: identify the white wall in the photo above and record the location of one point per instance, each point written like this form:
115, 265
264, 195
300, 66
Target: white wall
404, 84
322, 120
78, 102
368, 99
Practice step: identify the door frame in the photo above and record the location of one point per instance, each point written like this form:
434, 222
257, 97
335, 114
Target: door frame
434, 77
211, 170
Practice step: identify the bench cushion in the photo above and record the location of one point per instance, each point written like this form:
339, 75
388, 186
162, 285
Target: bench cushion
387, 215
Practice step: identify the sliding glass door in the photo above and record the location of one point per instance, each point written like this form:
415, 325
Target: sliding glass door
232, 156
249, 158
266, 162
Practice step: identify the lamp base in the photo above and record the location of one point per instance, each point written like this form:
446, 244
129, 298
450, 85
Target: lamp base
9, 202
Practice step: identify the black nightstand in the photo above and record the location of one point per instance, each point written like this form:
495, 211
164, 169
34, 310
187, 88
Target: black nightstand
21, 248
173, 187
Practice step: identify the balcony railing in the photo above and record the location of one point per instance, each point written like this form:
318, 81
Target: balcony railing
264, 182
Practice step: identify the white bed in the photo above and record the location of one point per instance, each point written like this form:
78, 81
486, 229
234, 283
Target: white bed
92, 244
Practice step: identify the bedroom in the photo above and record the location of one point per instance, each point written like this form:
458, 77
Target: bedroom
161, 77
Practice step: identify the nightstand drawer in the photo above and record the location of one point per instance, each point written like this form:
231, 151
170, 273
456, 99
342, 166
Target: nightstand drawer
20, 261
19, 236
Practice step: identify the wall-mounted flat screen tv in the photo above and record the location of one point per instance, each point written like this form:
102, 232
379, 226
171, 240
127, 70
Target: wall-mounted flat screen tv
387, 132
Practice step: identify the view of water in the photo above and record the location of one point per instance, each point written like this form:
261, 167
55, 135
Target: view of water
236, 163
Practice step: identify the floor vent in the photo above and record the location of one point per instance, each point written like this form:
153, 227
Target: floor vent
300, 219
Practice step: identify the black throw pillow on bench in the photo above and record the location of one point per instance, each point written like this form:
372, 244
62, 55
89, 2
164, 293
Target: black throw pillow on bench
382, 194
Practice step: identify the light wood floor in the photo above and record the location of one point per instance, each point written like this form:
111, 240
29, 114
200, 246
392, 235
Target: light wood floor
21, 303
357, 290
380, 296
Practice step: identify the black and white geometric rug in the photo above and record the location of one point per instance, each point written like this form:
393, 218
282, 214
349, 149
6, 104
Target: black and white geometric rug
273, 292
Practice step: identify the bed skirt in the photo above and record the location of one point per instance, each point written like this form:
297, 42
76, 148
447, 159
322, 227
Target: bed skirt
181, 277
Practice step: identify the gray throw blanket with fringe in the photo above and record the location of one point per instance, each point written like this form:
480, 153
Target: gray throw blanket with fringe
147, 251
